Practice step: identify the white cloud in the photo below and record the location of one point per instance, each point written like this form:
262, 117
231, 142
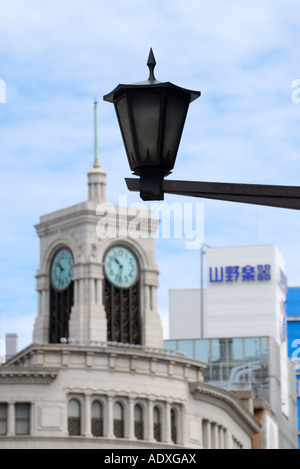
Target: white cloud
56, 56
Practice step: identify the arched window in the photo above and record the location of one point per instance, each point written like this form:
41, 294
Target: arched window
3, 419
22, 419
97, 418
74, 420
118, 420
138, 422
157, 424
173, 426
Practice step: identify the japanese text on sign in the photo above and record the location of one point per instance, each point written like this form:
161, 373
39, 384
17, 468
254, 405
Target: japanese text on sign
234, 273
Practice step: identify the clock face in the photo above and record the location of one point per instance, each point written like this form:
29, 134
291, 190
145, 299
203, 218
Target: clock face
61, 269
121, 267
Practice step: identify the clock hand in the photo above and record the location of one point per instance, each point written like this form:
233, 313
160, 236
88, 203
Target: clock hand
120, 274
61, 268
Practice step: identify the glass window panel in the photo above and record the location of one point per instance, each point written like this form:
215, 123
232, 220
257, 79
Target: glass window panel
138, 413
170, 344
264, 348
156, 416
22, 419
97, 422
156, 424
122, 111
235, 350
74, 408
3, 411
146, 110
118, 411
202, 350
96, 410
252, 352
118, 420
173, 426
186, 346
215, 350
138, 422
176, 110
74, 423
3, 419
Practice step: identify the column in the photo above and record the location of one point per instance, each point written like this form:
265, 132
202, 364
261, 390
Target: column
76, 292
150, 433
81, 291
228, 439
167, 437
87, 416
92, 291
153, 298
110, 418
11, 417
214, 436
130, 427
206, 434
99, 291
147, 297
181, 427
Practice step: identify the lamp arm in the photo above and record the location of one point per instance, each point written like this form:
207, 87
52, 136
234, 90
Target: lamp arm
255, 194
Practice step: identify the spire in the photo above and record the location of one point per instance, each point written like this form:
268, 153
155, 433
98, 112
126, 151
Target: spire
96, 177
96, 160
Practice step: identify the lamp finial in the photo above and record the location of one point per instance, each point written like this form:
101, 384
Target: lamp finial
151, 64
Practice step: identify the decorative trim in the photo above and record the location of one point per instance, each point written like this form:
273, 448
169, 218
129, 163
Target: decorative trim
227, 401
31, 376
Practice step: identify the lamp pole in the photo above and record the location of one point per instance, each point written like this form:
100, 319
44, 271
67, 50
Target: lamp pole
255, 194
151, 115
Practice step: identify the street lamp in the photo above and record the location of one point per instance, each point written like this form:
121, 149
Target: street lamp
151, 116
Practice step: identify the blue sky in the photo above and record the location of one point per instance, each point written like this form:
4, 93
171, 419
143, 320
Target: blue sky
56, 56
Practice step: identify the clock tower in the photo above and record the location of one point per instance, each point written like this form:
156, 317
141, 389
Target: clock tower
94, 285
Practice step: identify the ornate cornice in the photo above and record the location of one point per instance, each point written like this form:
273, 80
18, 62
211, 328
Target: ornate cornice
27, 376
226, 400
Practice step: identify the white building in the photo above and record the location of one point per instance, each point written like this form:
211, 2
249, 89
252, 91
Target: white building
97, 374
238, 325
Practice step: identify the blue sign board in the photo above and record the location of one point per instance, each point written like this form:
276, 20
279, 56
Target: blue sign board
233, 273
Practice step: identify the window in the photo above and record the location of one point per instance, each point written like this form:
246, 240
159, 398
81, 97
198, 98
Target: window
118, 420
173, 426
187, 347
157, 424
22, 419
3, 419
138, 422
74, 420
97, 419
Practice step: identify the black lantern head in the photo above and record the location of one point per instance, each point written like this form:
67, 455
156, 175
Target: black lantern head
151, 116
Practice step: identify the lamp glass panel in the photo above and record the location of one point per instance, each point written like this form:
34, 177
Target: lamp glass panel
176, 111
146, 110
122, 112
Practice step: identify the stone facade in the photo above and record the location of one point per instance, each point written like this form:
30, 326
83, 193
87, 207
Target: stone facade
192, 414
87, 392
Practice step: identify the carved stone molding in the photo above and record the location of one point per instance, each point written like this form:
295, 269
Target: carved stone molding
29, 376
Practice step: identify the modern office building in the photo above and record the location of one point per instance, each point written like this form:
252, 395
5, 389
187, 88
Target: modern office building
237, 324
293, 339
